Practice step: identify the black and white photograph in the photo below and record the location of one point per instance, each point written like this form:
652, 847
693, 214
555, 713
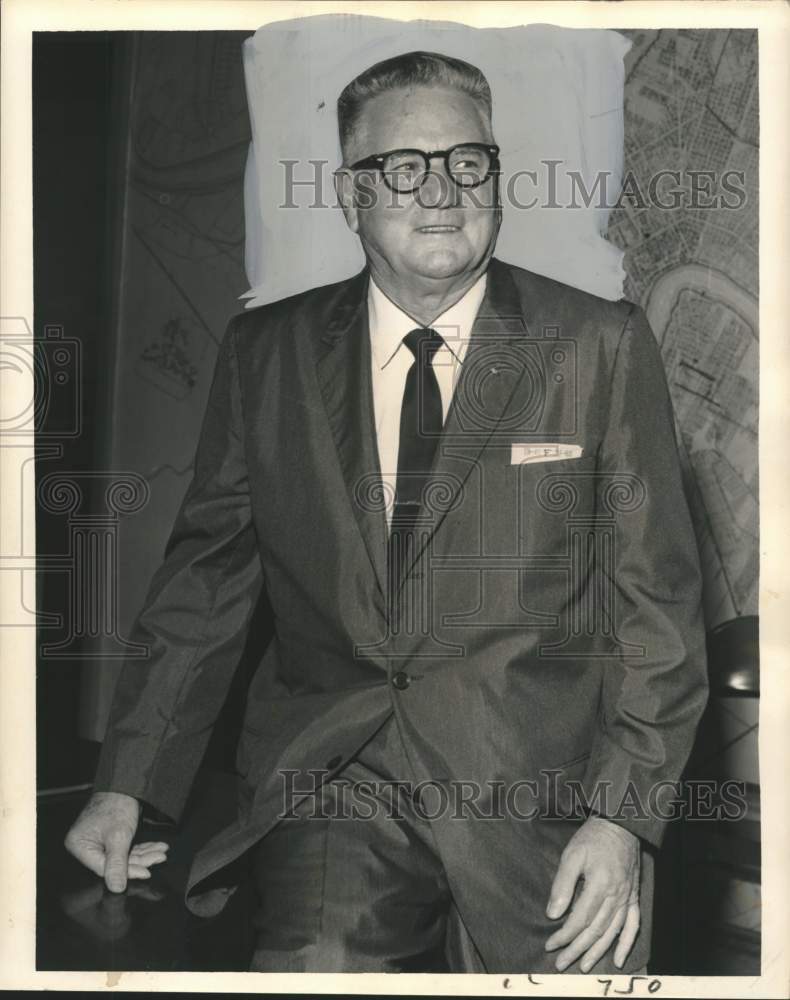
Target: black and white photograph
391, 522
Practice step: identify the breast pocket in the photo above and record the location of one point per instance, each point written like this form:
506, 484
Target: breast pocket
552, 496
556, 514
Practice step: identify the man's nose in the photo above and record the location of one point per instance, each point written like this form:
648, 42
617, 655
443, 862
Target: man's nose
438, 190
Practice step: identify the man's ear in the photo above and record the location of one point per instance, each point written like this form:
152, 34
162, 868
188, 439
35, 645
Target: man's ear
346, 196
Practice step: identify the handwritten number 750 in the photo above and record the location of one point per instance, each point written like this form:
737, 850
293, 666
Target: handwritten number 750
653, 985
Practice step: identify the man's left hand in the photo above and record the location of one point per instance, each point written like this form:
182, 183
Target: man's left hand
606, 856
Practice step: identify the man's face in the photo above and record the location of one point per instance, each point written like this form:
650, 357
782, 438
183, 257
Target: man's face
441, 231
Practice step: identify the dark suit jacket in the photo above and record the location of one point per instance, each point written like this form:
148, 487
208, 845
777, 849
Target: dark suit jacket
563, 629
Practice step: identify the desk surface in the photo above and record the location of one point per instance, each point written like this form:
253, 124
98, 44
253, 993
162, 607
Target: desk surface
82, 926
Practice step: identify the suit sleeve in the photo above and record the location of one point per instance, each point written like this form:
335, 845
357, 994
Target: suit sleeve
194, 620
655, 687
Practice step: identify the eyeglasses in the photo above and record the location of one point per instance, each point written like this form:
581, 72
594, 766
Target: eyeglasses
469, 164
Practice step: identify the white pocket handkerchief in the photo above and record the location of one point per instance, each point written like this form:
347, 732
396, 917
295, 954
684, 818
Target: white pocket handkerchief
523, 454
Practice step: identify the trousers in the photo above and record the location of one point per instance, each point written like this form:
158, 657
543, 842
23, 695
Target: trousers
355, 884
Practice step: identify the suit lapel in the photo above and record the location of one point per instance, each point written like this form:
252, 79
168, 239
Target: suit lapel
485, 391
343, 370
481, 402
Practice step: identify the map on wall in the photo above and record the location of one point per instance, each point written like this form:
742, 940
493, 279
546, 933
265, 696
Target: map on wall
691, 106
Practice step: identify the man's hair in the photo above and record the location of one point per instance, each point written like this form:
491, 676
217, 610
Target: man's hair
408, 70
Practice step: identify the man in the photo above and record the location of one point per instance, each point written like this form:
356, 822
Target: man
458, 483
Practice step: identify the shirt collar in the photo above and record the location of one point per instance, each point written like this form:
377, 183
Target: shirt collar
389, 324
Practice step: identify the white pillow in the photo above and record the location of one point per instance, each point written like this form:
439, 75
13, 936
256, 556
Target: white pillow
557, 95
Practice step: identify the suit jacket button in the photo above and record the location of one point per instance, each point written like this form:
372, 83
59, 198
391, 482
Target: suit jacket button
401, 680
332, 764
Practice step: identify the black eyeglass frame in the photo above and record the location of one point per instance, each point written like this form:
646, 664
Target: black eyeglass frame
376, 162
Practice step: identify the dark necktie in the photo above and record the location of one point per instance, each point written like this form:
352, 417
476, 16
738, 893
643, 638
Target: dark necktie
420, 427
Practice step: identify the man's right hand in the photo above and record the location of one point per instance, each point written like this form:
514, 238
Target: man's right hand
101, 839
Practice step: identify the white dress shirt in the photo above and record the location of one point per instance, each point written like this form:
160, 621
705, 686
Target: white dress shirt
391, 360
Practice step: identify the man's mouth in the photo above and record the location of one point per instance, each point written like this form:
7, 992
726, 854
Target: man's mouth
438, 229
